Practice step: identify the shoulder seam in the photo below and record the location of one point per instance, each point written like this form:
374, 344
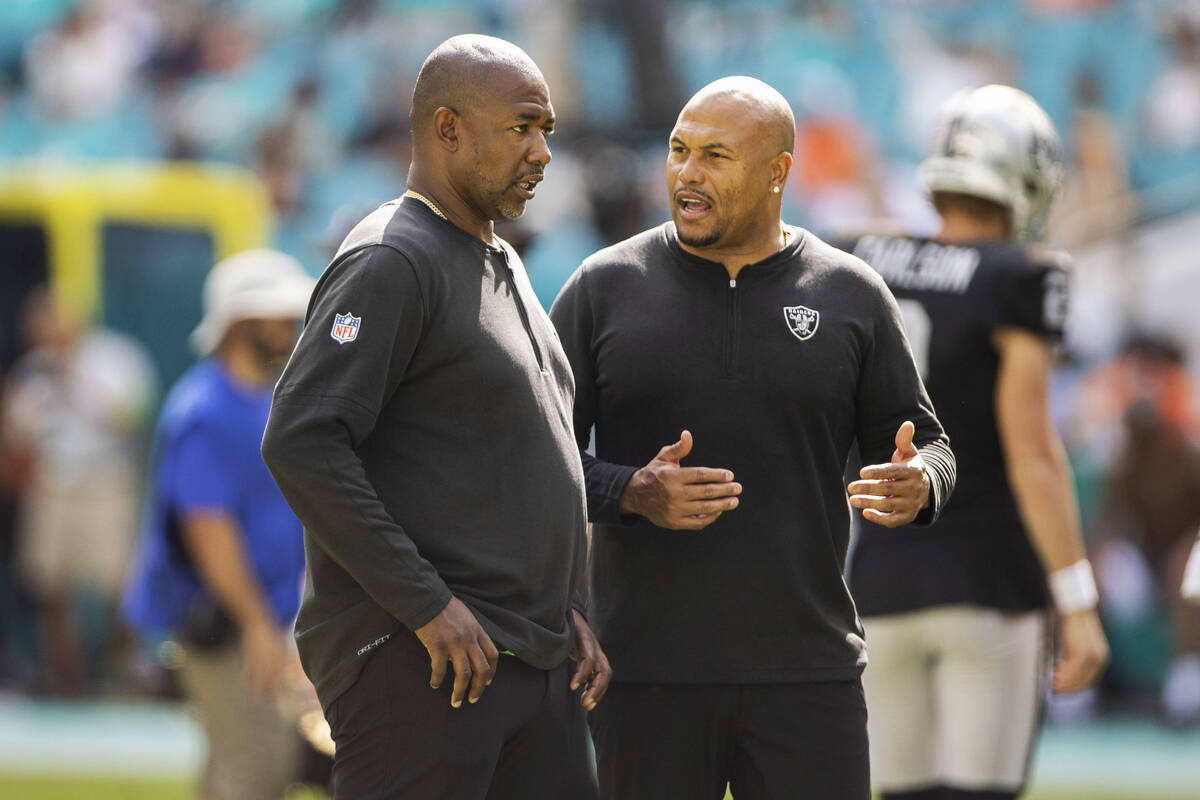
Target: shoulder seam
411, 268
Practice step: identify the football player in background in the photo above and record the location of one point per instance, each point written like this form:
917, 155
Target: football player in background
958, 615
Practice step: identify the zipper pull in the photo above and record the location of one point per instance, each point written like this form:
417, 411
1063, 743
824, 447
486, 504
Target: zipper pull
733, 283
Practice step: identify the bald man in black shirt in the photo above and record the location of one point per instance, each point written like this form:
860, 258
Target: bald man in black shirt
717, 585
422, 434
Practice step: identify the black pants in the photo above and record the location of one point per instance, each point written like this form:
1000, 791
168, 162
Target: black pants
946, 793
398, 739
802, 741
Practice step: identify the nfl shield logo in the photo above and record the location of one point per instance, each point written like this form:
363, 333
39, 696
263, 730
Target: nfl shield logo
801, 321
345, 328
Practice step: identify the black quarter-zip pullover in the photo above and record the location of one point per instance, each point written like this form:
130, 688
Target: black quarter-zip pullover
426, 445
776, 375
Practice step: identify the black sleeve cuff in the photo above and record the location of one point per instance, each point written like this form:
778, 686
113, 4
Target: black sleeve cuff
606, 483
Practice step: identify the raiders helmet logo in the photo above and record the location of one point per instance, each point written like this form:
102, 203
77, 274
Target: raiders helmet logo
801, 321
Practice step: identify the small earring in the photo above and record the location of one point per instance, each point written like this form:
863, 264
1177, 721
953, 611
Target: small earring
775, 190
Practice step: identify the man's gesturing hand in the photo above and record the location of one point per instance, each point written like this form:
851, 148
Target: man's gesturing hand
454, 637
593, 671
893, 494
677, 497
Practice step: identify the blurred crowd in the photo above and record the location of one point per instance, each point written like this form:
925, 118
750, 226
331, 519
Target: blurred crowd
313, 96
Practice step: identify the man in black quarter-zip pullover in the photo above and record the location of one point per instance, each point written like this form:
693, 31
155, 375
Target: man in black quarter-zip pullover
422, 434
718, 588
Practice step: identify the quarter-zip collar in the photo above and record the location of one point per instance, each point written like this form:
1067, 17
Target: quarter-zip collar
522, 311
729, 317
502, 263
694, 262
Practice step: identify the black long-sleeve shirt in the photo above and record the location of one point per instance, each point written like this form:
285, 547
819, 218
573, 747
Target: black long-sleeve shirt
775, 374
422, 433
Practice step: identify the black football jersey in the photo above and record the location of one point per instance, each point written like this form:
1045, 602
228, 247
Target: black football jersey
953, 297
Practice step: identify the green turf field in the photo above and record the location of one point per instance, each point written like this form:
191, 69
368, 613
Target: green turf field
146, 751
78, 787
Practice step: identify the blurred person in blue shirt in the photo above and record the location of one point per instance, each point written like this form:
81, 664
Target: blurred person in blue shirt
221, 559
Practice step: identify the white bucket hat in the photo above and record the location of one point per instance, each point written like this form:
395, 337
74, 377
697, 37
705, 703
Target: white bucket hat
253, 284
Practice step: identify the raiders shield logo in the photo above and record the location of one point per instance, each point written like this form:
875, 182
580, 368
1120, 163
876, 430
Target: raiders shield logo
801, 321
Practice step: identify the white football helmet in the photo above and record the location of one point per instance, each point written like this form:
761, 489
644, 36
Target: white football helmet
996, 142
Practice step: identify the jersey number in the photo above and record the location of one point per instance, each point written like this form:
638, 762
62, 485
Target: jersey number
1054, 302
920, 329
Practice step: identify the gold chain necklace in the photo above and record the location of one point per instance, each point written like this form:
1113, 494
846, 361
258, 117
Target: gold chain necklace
422, 198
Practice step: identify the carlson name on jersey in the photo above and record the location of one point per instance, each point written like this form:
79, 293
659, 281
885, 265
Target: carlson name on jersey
954, 297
